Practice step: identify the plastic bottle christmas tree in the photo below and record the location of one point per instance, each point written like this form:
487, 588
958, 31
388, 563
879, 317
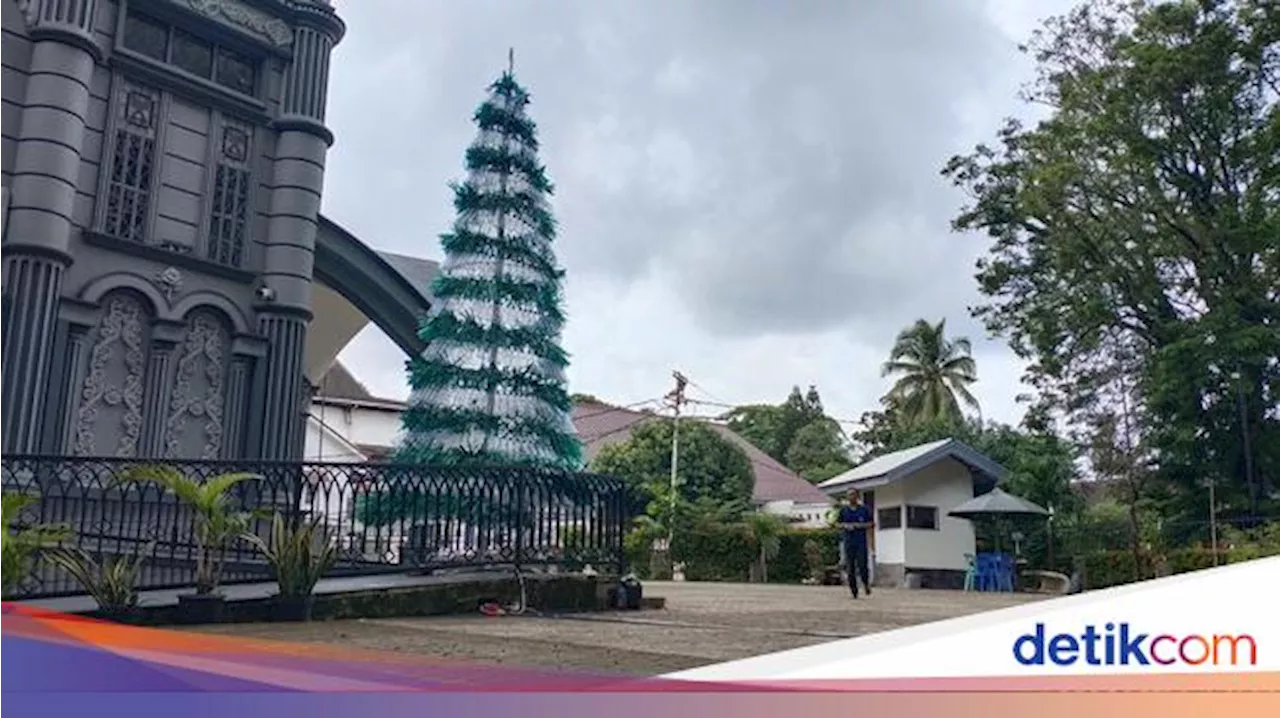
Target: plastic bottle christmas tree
490, 387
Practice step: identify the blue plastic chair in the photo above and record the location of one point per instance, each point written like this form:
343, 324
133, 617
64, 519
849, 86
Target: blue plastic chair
1004, 572
988, 571
1007, 568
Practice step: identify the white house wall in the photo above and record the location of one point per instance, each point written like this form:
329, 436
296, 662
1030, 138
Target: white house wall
944, 485
359, 426
890, 547
326, 445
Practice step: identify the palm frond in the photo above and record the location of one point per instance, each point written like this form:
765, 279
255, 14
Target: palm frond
216, 487
968, 398
166, 477
900, 366
961, 366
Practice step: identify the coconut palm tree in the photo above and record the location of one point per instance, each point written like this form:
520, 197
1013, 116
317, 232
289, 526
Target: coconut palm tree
933, 373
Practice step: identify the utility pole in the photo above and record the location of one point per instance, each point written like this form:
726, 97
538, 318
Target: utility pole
676, 397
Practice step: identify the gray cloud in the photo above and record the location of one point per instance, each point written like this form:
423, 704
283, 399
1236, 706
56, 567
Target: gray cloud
773, 165
778, 160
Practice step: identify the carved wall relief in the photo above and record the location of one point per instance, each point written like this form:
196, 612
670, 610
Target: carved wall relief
194, 428
108, 419
249, 19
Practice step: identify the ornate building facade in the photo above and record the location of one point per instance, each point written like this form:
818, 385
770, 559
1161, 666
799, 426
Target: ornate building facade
164, 256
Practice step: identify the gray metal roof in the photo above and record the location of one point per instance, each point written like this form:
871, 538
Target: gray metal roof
889, 468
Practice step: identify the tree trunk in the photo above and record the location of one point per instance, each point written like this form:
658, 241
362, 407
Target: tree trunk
1135, 540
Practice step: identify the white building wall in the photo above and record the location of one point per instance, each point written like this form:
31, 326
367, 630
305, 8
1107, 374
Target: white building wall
323, 444
944, 485
356, 426
802, 516
889, 546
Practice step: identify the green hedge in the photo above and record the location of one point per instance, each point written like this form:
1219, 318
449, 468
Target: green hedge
1113, 568
726, 553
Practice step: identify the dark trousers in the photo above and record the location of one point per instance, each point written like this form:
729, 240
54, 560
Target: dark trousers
856, 558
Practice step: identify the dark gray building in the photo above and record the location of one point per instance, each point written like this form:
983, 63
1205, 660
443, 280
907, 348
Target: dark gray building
167, 275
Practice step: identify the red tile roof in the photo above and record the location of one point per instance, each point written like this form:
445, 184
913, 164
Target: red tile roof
600, 425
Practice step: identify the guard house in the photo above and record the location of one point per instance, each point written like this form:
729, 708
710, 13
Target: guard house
910, 493
170, 289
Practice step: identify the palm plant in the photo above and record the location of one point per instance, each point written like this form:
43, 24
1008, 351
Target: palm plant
765, 531
214, 520
934, 373
19, 548
299, 554
113, 582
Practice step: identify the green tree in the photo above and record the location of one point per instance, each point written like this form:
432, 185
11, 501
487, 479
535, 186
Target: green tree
1135, 232
1042, 467
711, 470
797, 433
933, 372
818, 451
490, 387
762, 425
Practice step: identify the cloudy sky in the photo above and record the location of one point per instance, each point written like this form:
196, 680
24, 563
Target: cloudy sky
748, 190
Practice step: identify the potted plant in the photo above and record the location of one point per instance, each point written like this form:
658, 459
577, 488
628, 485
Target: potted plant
301, 556
20, 547
214, 522
112, 582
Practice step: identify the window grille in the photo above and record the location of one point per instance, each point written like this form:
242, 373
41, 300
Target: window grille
229, 209
133, 157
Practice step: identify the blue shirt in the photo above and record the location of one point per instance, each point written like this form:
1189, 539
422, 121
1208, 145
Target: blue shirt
855, 515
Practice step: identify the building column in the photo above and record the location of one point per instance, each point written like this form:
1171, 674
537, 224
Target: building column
284, 309
46, 169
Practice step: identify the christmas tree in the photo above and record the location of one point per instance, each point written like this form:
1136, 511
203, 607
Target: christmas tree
490, 387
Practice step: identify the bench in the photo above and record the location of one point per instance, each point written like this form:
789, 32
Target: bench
1050, 582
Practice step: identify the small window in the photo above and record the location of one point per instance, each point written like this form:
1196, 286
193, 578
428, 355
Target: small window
922, 517
146, 36
889, 517
235, 72
192, 54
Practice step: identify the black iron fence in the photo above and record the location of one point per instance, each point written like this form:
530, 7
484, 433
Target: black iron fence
382, 518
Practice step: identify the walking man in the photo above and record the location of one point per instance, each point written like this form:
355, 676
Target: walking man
853, 521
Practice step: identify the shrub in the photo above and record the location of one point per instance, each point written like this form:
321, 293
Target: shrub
726, 552
721, 552
1114, 568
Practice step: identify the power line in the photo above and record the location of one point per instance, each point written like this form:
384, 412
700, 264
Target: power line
719, 405
617, 430
609, 409
704, 391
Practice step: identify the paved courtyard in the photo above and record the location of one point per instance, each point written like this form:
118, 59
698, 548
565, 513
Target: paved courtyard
703, 623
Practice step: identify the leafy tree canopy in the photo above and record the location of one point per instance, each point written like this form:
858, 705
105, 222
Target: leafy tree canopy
797, 433
711, 469
1135, 252
1041, 466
